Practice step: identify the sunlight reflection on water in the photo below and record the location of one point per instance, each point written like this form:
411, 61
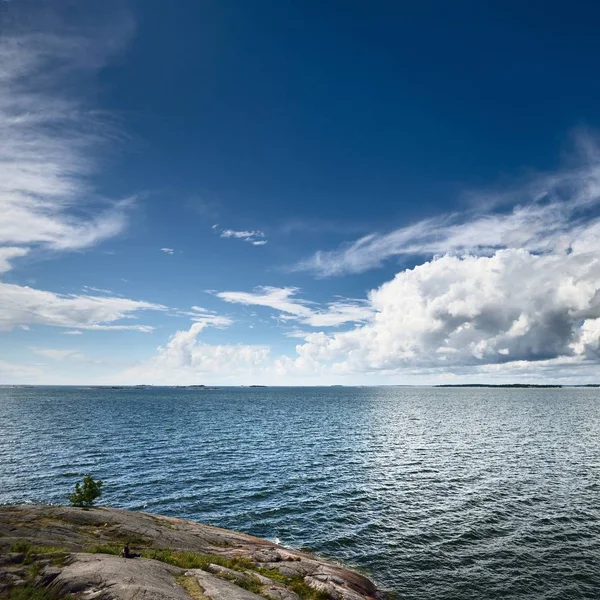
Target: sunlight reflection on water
437, 493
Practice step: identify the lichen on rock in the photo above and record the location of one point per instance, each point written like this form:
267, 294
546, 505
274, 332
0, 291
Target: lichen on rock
55, 552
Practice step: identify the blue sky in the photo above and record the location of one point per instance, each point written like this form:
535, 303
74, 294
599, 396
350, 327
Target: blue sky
299, 192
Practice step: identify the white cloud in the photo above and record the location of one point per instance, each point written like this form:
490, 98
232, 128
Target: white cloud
58, 354
211, 320
456, 311
21, 305
255, 237
50, 142
242, 235
72, 332
282, 300
7, 253
168, 250
185, 360
19, 373
474, 312
200, 309
512, 316
89, 288
550, 214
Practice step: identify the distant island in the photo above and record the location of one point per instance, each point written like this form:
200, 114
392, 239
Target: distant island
194, 387
514, 385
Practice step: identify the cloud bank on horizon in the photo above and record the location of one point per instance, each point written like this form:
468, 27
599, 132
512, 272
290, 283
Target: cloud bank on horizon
517, 291
507, 289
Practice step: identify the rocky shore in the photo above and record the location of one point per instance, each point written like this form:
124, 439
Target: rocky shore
54, 552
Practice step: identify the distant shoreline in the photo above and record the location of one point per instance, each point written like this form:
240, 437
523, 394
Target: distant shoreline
140, 387
516, 385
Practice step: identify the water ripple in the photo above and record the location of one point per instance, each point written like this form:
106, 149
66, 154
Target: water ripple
437, 493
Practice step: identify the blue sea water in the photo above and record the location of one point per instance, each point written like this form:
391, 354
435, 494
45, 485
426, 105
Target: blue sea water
434, 493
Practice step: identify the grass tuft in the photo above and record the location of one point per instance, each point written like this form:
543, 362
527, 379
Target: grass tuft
295, 584
192, 560
192, 587
105, 549
20, 546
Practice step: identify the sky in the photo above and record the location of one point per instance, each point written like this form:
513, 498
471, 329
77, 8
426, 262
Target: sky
299, 193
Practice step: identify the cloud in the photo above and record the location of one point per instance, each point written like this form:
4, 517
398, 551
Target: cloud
282, 300
510, 296
168, 250
72, 332
7, 253
470, 310
21, 305
89, 288
255, 237
211, 320
186, 360
51, 143
14, 372
550, 213
57, 354
242, 235
512, 316
200, 309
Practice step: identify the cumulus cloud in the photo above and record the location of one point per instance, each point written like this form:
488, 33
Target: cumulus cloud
469, 310
185, 360
283, 300
50, 145
255, 237
549, 213
510, 295
22, 305
514, 314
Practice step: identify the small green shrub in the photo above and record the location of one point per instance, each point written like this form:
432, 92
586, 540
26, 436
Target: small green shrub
86, 492
20, 546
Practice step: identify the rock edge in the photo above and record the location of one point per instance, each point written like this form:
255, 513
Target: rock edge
59, 551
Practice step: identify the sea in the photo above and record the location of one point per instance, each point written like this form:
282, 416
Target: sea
434, 493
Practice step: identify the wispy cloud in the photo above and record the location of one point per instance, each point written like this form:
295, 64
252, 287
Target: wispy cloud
89, 288
17, 373
514, 294
58, 354
549, 213
284, 301
7, 254
170, 251
50, 145
254, 237
21, 305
